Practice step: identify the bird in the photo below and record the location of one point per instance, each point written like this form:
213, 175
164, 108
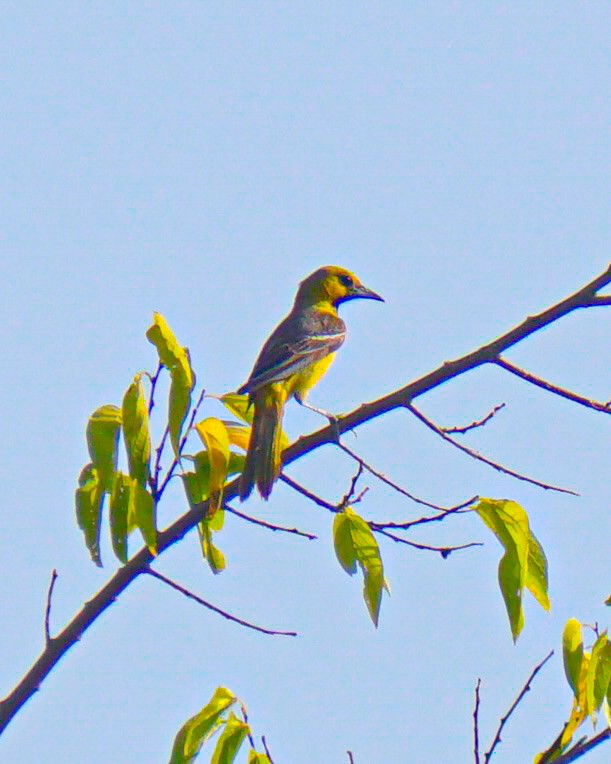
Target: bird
293, 359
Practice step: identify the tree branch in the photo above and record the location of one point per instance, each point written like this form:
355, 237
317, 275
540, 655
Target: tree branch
223, 613
93, 609
514, 705
495, 465
550, 388
583, 747
48, 607
476, 723
478, 422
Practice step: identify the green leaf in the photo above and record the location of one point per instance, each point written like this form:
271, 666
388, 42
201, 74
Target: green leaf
88, 499
212, 554
354, 542
214, 436
240, 407
120, 500
572, 650
230, 741
193, 734
523, 566
257, 758
176, 359
103, 430
145, 513
136, 431
599, 674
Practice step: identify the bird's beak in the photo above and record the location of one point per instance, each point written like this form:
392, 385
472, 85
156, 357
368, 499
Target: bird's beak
367, 294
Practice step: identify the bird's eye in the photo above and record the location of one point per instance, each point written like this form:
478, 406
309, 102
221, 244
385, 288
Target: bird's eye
347, 281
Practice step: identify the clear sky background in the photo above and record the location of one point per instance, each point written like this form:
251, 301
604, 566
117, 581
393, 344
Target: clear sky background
200, 159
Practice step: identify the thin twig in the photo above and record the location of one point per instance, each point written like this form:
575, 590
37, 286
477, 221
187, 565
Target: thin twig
350, 757
269, 526
444, 551
476, 723
308, 494
48, 607
266, 749
223, 613
350, 493
244, 711
154, 379
459, 509
157, 468
551, 388
381, 476
181, 446
598, 300
475, 455
478, 422
514, 705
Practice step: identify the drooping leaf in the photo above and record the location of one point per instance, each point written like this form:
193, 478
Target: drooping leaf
354, 543
103, 430
572, 651
88, 499
145, 513
212, 554
523, 566
230, 741
120, 500
194, 733
176, 359
239, 434
239, 406
136, 431
599, 674
580, 710
214, 436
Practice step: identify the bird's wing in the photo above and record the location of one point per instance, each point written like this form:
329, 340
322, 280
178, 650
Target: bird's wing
280, 358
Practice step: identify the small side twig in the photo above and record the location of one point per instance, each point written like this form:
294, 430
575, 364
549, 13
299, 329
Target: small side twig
598, 300
444, 551
477, 423
551, 388
181, 446
157, 467
384, 479
173, 585
459, 509
476, 723
48, 606
266, 749
351, 492
514, 705
154, 379
475, 455
269, 526
350, 757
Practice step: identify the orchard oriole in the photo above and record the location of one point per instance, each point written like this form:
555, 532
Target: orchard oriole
296, 355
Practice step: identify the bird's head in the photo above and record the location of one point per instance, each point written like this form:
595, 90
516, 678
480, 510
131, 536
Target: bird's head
334, 285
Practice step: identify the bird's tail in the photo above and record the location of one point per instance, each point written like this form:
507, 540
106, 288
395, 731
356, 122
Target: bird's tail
262, 465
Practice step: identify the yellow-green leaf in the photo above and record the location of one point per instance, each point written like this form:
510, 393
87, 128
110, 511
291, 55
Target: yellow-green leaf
145, 513
240, 407
103, 430
230, 741
354, 542
120, 500
239, 434
212, 554
523, 566
214, 436
193, 734
572, 651
176, 359
599, 674
257, 758
88, 499
136, 431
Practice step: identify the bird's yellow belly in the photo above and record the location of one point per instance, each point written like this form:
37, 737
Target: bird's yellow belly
304, 380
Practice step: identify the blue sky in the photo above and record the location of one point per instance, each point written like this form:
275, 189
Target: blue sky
200, 159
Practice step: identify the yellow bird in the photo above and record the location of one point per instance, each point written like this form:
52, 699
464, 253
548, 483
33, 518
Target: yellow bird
296, 355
